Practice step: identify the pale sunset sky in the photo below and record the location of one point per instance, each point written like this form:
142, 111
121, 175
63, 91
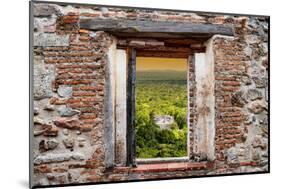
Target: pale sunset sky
161, 64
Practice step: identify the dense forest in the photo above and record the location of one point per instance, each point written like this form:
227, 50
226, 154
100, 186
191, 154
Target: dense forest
161, 93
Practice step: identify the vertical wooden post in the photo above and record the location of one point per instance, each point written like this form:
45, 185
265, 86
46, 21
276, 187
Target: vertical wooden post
121, 108
131, 98
188, 60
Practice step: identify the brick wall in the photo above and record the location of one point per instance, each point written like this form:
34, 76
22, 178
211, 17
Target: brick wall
70, 66
192, 105
241, 98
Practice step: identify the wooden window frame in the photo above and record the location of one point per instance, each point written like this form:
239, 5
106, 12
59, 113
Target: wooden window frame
132, 53
131, 98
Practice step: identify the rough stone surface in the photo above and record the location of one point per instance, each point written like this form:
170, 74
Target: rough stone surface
65, 132
259, 142
45, 24
48, 145
257, 106
48, 39
254, 94
73, 123
46, 10
260, 82
42, 83
65, 91
36, 111
51, 144
232, 155
40, 121
246, 80
53, 158
49, 107
68, 142
67, 112
51, 132
81, 141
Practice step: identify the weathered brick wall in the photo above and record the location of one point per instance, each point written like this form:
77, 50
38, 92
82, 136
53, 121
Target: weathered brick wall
241, 95
69, 90
192, 118
70, 68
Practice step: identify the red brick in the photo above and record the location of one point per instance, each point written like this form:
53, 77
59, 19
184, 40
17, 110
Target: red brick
90, 14
249, 163
42, 169
88, 116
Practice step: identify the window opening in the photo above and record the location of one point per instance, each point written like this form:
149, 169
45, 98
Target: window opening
161, 107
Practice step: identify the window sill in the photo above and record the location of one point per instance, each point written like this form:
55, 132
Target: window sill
162, 160
165, 167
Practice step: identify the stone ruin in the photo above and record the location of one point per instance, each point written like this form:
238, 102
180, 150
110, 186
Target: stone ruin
79, 134
164, 121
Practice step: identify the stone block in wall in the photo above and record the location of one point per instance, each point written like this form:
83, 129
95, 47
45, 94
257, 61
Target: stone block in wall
46, 9
261, 82
50, 39
48, 145
69, 143
257, 106
254, 94
47, 25
65, 91
65, 111
51, 157
43, 77
232, 155
72, 123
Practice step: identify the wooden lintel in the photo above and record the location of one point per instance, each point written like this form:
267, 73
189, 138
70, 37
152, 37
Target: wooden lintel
165, 49
196, 45
139, 43
154, 43
183, 42
171, 49
168, 52
167, 29
166, 41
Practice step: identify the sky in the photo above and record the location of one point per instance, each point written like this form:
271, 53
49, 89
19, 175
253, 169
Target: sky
161, 64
